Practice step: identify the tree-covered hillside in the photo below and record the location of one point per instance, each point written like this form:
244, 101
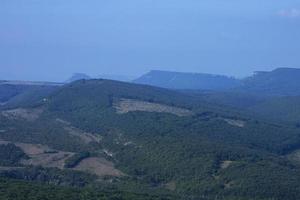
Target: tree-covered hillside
21, 94
278, 109
165, 148
153, 150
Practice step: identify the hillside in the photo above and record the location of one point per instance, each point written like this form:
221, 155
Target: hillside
24, 93
159, 139
179, 80
278, 109
285, 109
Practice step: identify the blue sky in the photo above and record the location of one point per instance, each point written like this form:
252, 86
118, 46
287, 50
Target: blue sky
51, 39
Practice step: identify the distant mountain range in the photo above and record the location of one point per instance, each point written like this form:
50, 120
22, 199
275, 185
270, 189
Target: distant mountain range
281, 82
124, 78
194, 81
30, 83
80, 76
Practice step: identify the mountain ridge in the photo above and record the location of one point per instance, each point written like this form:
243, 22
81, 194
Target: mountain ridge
278, 82
186, 80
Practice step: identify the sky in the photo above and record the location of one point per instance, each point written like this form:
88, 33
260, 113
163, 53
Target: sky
52, 39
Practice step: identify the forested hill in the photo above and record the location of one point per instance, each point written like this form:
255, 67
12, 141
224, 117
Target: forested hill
24, 93
99, 104
154, 142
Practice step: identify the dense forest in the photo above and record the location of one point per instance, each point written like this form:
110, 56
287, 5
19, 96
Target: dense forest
76, 143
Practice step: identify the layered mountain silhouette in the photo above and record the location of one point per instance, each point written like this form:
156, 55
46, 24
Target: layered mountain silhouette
281, 81
179, 80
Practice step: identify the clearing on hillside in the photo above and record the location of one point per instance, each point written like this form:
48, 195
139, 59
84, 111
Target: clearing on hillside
225, 164
98, 166
294, 156
20, 113
130, 105
42, 155
234, 122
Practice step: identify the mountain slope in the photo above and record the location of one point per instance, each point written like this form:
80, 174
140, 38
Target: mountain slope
15, 93
164, 140
278, 109
142, 142
284, 109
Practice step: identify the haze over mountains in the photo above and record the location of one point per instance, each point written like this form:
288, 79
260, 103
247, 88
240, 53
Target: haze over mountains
280, 81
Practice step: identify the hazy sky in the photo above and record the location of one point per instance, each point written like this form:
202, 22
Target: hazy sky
51, 39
